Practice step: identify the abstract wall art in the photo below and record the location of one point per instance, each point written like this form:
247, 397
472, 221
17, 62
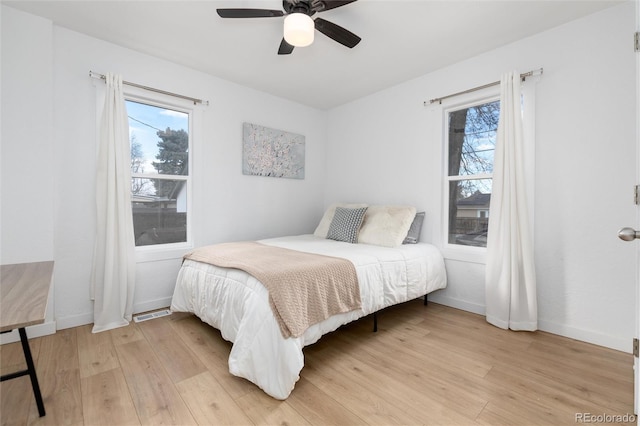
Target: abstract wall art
272, 152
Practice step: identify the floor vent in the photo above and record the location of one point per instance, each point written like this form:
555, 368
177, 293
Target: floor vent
151, 315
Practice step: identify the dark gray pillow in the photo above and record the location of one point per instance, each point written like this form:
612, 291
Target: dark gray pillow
414, 231
346, 224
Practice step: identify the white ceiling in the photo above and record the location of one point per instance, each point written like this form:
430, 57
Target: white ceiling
401, 39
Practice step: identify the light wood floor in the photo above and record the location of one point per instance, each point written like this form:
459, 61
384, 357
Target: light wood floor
425, 365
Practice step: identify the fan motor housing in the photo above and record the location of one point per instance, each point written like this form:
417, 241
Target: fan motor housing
298, 6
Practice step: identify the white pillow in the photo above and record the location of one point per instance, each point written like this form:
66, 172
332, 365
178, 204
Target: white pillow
325, 222
386, 226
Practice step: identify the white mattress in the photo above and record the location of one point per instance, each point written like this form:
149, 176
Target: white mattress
237, 304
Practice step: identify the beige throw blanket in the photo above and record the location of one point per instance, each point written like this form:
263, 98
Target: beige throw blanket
304, 288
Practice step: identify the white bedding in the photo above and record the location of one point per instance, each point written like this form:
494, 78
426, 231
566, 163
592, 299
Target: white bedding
237, 304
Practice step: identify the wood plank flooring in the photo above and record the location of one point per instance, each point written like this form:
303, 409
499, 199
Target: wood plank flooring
425, 365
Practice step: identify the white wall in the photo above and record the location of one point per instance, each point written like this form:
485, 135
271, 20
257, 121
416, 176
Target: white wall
26, 148
387, 148
27, 74
49, 114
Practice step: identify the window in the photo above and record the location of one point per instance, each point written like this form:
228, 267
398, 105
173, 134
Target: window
470, 140
159, 137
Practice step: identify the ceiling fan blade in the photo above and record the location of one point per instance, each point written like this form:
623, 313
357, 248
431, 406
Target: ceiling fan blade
249, 13
285, 48
337, 33
332, 4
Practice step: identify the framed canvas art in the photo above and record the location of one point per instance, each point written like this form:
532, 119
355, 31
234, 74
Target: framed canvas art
272, 152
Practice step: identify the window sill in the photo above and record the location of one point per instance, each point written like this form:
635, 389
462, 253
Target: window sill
161, 252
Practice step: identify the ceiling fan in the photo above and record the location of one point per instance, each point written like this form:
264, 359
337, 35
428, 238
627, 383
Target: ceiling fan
298, 25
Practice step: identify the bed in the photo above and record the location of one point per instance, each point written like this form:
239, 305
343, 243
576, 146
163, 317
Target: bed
238, 304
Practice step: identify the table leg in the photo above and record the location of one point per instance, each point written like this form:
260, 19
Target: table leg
31, 371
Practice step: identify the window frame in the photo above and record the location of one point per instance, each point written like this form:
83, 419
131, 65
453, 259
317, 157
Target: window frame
154, 252
473, 254
460, 251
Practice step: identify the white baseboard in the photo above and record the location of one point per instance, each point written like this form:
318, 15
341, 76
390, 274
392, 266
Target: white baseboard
50, 327
152, 305
617, 343
33, 331
612, 342
457, 303
84, 319
74, 321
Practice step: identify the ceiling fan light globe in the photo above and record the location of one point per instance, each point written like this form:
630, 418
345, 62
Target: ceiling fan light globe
299, 29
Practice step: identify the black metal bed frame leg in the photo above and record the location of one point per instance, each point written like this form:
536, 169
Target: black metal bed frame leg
426, 302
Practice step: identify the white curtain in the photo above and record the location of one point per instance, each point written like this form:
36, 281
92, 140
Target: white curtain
113, 269
510, 273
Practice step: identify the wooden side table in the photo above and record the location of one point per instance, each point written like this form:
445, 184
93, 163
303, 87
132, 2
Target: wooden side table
24, 291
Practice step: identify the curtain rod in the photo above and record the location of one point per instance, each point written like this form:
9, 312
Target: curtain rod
151, 89
484, 86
